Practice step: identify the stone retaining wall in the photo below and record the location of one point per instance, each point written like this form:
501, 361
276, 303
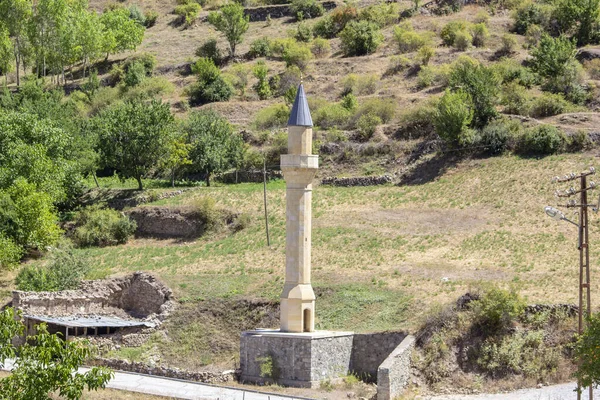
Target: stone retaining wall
165, 222
358, 181
394, 372
248, 176
176, 373
119, 204
370, 350
279, 11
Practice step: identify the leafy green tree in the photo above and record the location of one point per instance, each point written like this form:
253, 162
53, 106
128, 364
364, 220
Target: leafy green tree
210, 86
360, 38
215, 147
6, 52
120, 32
578, 16
178, 156
133, 137
16, 14
10, 252
453, 117
262, 87
89, 33
36, 373
587, 352
231, 21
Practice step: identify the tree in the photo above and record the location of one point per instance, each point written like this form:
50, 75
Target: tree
5, 52
215, 147
231, 21
16, 14
178, 156
120, 32
453, 116
580, 16
88, 37
133, 137
46, 364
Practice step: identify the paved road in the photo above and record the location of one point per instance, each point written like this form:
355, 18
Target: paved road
555, 392
178, 389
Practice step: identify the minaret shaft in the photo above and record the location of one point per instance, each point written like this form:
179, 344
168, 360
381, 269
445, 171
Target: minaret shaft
299, 167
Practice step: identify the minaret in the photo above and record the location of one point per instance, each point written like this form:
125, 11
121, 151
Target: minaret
299, 167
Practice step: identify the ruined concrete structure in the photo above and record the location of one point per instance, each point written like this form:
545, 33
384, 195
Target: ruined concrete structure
136, 300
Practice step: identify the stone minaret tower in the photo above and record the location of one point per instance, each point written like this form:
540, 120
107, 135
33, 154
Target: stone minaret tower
299, 168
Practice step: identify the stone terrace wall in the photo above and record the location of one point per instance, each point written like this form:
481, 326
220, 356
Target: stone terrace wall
369, 350
137, 295
358, 181
393, 374
166, 222
278, 11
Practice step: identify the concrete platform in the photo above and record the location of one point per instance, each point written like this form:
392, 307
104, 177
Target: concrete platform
294, 359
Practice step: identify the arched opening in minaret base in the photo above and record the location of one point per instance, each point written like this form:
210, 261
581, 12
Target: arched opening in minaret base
306, 320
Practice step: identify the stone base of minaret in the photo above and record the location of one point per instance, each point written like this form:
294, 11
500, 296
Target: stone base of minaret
295, 359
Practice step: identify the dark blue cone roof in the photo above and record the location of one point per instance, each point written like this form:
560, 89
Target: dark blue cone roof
300, 115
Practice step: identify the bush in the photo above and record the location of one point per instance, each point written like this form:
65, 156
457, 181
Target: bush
135, 74
260, 48
515, 99
275, 116
333, 23
385, 109
148, 60
542, 140
587, 353
408, 40
549, 104
463, 40
418, 121
425, 54
331, 116
593, 68
482, 17
509, 44
349, 102
262, 87
359, 84
136, 14
151, 18
306, 9
297, 54
320, 47
397, 64
241, 222
580, 141
208, 213
383, 14
531, 13
497, 309
102, 227
189, 12
510, 70
239, 74
453, 117
451, 29
498, 135
64, 271
482, 85
533, 35
367, 124
210, 86
10, 253
211, 51
360, 38
425, 77
303, 33
480, 34
149, 88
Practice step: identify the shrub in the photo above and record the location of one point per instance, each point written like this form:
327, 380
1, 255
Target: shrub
593, 68
262, 87
239, 73
135, 74
189, 12
241, 222
148, 60
211, 51
151, 18
542, 140
385, 109
515, 99
480, 34
102, 227
587, 352
136, 14
210, 86
497, 309
554, 60
453, 117
360, 38
208, 212
397, 64
331, 116
549, 104
349, 102
64, 271
275, 116
409, 40
425, 77
303, 33
149, 88
509, 44
463, 40
510, 70
482, 85
531, 13
383, 14
332, 24
418, 121
260, 48
482, 17
297, 54
306, 9
359, 84
449, 31
425, 54
289, 81
533, 35
10, 253
320, 47
498, 135
580, 141
367, 124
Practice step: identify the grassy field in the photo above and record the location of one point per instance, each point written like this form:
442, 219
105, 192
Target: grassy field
396, 252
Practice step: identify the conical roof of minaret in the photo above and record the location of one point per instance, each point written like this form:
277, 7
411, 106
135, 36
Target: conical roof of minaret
300, 115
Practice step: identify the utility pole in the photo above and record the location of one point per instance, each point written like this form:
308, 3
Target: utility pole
583, 241
265, 200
